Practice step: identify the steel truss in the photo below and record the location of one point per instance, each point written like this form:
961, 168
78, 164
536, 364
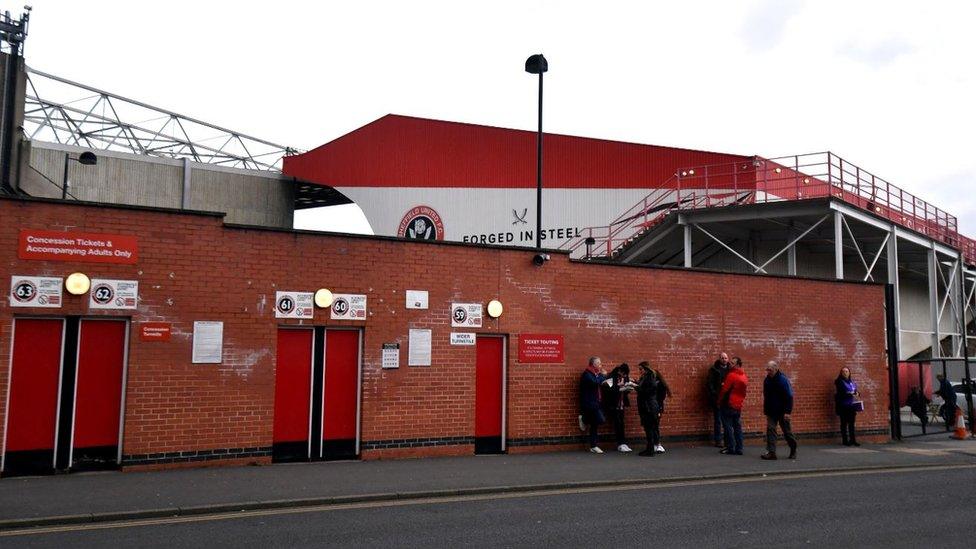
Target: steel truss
61, 111
951, 288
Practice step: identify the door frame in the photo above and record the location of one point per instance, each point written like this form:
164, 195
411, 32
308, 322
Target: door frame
125, 378
504, 406
10, 378
359, 383
311, 381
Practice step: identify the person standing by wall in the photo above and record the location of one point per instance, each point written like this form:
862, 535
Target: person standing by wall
730, 399
713, 384
589, 393
845, 399
778, 407
652, 391
948, 394
615, 400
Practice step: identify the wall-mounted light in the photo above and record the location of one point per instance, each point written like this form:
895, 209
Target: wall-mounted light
323, 298
691, 172
540, 259
779, 170
806, 179
77, 284
495, 308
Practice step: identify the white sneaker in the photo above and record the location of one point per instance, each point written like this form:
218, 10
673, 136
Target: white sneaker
582, 425
624, 448
659, 449
596, 450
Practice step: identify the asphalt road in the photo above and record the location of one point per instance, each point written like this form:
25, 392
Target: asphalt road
891, 509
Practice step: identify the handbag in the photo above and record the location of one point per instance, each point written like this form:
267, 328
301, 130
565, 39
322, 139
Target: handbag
857, 405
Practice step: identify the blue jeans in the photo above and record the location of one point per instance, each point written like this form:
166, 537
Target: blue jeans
732, 422
717, 435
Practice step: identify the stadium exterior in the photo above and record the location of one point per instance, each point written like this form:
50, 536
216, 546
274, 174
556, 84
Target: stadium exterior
162, 311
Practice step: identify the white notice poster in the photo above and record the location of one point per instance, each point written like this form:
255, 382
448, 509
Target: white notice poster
208, 342
391, 355
293, 304
416, 299
419, 351
113, 294
35, 291
349, 307
466, 315
463, 338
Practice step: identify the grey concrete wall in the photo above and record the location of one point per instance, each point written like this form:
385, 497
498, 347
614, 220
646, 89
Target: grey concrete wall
247, 197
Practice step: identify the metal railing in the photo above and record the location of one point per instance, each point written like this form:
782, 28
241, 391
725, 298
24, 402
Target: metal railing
768, 180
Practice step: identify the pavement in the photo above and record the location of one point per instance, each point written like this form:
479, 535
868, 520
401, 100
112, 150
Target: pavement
111, 496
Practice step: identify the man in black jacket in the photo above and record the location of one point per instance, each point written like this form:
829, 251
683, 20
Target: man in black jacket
777, 406
716, 376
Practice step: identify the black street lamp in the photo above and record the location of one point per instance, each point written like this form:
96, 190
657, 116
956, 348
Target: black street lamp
537, 64
87, 158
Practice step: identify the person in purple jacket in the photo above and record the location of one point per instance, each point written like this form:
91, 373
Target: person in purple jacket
844, 399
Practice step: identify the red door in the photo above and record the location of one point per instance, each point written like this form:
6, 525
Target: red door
98, 393
33, 403
293, 387
488, 397
340, 394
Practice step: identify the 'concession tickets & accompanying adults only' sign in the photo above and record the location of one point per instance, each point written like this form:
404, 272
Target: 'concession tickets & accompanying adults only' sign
113, 294
294, 304
541, 349
466, 315
35, 291
349, 307
77, 246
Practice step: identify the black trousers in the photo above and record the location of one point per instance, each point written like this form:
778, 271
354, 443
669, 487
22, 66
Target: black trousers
652, 429
847, 419
617, 418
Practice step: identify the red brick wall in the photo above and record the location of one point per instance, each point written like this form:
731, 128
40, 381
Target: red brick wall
191, 268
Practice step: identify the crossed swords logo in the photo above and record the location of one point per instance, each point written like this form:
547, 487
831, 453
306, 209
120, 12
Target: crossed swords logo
520, 218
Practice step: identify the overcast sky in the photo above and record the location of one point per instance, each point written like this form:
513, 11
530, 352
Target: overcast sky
888, 85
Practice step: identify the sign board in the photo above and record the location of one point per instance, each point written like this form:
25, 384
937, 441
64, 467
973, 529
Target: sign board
208, 342
113, 294
35, 291
466, 315
462, 338
391, 355
541, 349
155, 331
294, 304
418, 353
349, 307
416, 299
77, 246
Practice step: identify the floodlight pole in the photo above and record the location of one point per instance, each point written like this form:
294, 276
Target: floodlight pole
537, 64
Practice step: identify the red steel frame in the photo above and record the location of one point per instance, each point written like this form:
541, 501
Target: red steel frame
761, 181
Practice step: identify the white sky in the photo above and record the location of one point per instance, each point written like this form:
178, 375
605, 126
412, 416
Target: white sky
888, 85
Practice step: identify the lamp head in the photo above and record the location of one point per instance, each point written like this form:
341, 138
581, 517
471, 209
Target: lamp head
88, 158
536, 64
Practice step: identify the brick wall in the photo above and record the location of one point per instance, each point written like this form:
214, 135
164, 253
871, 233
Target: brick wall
192, 267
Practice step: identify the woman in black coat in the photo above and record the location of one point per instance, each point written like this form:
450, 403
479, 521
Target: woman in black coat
651, 394
615, 402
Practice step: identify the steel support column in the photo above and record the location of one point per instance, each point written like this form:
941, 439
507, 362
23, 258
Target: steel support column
791, 253
934, 299
892, 253
838, 245
687, 246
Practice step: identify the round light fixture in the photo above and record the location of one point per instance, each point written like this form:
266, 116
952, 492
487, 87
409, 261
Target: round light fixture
323, 298
495, 308
77, 283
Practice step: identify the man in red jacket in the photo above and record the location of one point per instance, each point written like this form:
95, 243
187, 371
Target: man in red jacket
730, 399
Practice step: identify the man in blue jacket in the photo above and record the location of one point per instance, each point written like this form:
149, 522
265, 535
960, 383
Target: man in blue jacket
777, 406
592, 414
